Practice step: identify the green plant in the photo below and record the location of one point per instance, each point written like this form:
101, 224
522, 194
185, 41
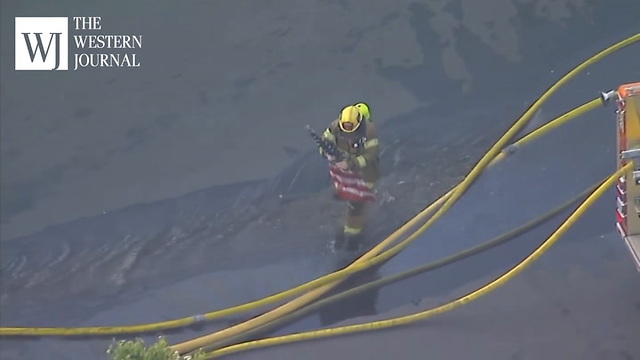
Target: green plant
136, 350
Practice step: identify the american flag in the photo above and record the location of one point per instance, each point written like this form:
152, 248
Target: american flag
349, 186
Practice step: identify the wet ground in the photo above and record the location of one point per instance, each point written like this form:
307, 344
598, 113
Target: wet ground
443, 96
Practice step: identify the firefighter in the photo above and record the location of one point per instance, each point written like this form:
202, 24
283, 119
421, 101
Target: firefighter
355, 134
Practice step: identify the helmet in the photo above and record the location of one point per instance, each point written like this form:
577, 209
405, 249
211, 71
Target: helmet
350, 119
364, 110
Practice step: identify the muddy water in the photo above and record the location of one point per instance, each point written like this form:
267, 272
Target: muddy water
445, 78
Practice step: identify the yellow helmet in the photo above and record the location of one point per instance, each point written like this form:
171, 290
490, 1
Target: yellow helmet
350, 119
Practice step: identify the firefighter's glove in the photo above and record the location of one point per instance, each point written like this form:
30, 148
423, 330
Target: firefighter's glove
344, 156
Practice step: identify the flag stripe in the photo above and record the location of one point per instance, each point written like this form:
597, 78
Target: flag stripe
350, 186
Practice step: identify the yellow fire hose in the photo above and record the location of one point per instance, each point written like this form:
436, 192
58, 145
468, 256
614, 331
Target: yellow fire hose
495, 242
408, 319
370, 259
187, 321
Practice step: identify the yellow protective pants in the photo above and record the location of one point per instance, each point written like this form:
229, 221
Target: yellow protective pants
355, 216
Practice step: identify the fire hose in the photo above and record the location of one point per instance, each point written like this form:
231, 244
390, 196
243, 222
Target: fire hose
409, 319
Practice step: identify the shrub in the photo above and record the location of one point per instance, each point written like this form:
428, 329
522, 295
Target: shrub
136, 350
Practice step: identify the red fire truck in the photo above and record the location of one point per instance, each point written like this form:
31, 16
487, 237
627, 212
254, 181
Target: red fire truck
627, 99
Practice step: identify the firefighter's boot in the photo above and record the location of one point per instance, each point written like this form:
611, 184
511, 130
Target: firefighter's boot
354, 225
353, 242
339, 240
